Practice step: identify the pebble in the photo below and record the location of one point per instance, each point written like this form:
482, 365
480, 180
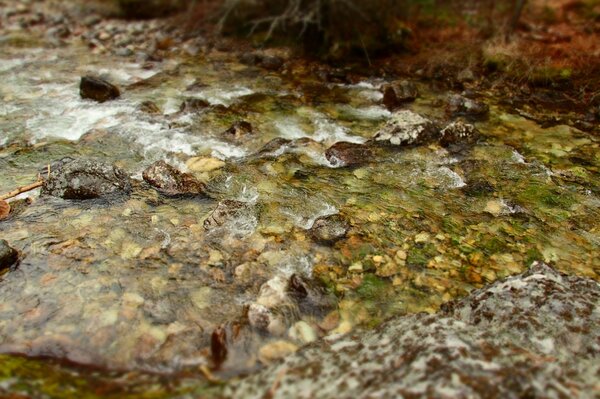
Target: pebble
302, 332
200, 165
276, 350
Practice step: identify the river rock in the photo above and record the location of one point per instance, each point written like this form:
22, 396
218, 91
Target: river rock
149, 107
170, 181
81, 179
97, 89
462, 106
329, 229
269, 62
458, 132
193, 105
225, 211
399, 92
407, 128
311, 296
8, 255
530, 335
348, 154
239, 130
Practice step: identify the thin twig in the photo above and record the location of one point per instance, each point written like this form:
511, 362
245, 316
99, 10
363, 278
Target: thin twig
21, 190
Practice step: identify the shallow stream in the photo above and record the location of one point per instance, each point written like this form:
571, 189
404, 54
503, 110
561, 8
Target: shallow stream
135, 288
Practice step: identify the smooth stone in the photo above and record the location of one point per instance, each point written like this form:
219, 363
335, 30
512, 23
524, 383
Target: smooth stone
97, 89
8, 255
329, 229
343, 154
170, 181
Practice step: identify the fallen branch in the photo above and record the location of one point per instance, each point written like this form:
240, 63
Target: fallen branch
21, 190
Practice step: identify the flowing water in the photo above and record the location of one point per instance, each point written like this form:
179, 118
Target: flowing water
134, 289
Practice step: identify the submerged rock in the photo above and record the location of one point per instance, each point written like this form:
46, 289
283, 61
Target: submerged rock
329, 229
82, 179
97, 89
239, 130
8, 255
170, 181
407, 128
458, 132
399, 92
462, 106
275, 147
533, 335
348, 154
225, 211
149, 107
193, 105
311, 296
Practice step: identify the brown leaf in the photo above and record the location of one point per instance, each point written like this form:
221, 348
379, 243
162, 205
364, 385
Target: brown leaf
4, 209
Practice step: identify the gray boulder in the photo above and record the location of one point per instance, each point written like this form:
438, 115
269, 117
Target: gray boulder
531, 335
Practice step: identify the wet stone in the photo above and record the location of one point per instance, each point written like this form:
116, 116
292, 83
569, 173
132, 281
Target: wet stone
399, 92
8, 255
269, 62
170, 181
193, 105
348, 154
97, 89
226, 210
329, 229
457, 133
407, 128
239, 130
311, 296
85, 179
149, 107
474, 347
462, 106
274, 147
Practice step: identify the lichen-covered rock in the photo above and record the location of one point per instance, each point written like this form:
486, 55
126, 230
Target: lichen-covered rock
348, 154
531, 335
399, 92
462, 106
458, 132
8, 255
97, 89
82, 179
407, 128
329, 229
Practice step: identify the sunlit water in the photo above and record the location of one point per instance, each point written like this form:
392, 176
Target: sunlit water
141, 285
